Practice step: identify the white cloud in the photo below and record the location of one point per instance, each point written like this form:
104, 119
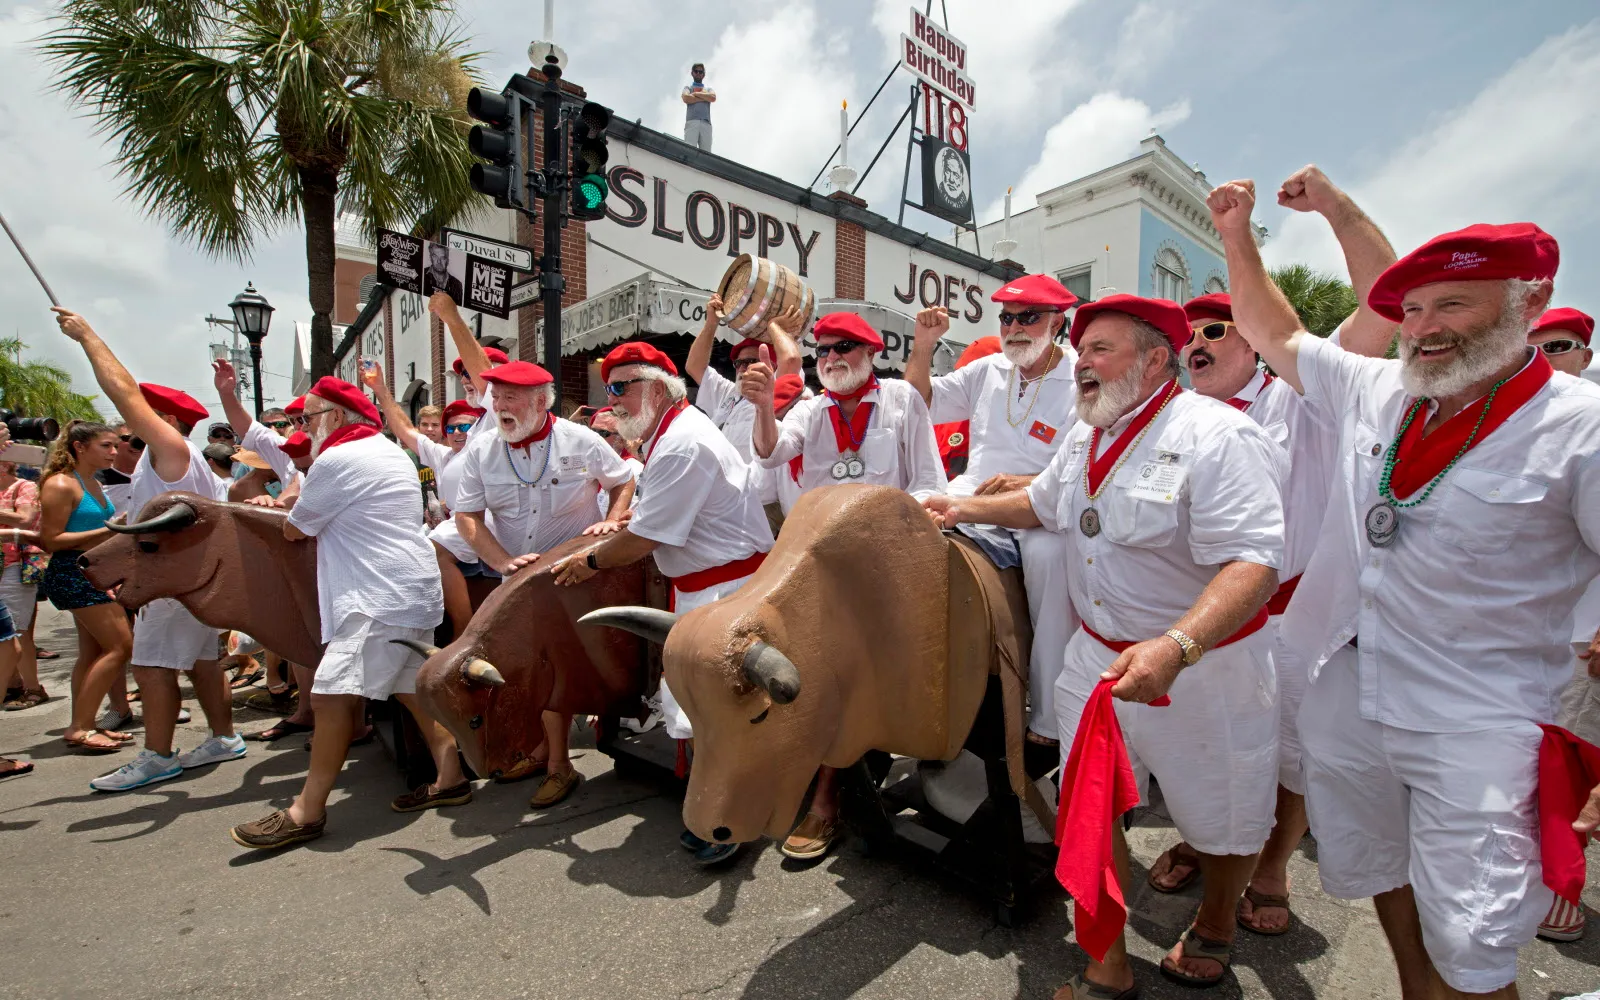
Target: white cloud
1102, 131
1148, 35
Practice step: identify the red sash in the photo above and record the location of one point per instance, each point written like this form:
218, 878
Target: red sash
700, 579
540, 434
646, 449
1100, 467
347, 433
1244, 404
1418, 459
1279, 602
848, 437
1249, 628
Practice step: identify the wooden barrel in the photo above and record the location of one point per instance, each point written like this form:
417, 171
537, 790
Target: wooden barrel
756, 290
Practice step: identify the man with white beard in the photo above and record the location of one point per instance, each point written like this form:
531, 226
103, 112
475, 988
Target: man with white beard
1019, 404
699, 512
1453, 579
862, 429
1168, 503
377, 582
537, 477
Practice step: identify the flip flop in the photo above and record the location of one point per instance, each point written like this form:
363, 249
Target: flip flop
82, 744
45, 654
1179, 855
113, 734
1258, 902
14, 768
248, 678
1197, 946
278, 731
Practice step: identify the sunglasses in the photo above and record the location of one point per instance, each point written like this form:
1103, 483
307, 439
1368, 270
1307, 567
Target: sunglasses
1555, 347
280, 425
223, 437
458, 428
1028, 317
1211, 331
318, 413
740, 364
838, 350
297, 421
619, 388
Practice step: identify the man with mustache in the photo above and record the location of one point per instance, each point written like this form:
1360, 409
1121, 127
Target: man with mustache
1222, 365
1019, 404
537, 477
1453, 579
699, 512
1168, 503
861, 430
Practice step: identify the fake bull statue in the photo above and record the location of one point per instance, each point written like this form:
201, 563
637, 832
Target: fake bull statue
865, 629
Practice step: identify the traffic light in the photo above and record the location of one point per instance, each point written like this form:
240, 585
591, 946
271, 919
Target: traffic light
504, 177
589, 155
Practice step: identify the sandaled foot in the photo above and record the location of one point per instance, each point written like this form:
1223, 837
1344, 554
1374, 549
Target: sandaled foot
276, 830
555, 788
14, 768
115, 734
247, 678
1079, 988
1197, 960
1264, 913
27, 698
812, 839
92, 741
427, 797
278, 731
1178, 866
281, 702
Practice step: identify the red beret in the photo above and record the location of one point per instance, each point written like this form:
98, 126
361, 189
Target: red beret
746, 342
295, 408
1163, 314
849, 326
635, 352
1035, 290
173, 402
462, 408
524, 373
297, 445
1573, 320
496, 357
1477, 253
786, 390
342, 393
1217, 305
978, 349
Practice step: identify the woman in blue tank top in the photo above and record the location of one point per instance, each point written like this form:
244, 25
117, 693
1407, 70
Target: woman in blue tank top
73, 512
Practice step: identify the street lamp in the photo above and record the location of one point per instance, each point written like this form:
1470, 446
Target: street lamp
252, 314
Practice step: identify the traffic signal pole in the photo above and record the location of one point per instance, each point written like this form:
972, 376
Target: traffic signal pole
551, 283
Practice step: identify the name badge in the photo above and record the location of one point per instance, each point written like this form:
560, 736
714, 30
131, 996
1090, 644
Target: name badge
1159, 481
573, 465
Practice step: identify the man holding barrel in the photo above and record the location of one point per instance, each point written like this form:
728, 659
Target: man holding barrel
719, 398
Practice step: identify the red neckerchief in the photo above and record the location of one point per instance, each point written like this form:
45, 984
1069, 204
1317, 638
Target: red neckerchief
347, 433
1244, 404
649, 447
797, 465
849, 437
1418, 459
540, 434
1100, 467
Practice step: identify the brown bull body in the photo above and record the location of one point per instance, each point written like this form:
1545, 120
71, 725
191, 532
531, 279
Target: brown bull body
229, 564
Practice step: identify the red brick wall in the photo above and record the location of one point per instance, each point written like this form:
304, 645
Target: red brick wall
850, 254
574, 257
347, 275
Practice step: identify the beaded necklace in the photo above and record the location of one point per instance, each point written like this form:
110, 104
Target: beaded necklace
1016, 373
548, 448
1391, 456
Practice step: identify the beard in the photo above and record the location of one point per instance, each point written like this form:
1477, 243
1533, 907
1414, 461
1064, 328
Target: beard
1479, 355
841, 378
519, 429
1113, 400
320, 436
1025, 351
634, 427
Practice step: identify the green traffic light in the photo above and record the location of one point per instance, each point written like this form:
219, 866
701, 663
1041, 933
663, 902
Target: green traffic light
592, 189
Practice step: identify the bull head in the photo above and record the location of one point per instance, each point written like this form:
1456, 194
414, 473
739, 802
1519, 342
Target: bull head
174, 518
764, 666
477, 670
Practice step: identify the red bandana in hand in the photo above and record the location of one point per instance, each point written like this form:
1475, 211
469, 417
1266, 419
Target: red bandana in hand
1568, 769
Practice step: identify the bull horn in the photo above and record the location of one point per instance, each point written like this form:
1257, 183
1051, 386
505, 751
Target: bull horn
648, 623
174, 518
483, 672
422, 649
769, 669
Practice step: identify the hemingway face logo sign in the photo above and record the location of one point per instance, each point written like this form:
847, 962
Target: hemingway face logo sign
1043, 431
417, 265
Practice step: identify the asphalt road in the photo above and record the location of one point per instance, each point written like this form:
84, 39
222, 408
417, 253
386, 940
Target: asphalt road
144, 895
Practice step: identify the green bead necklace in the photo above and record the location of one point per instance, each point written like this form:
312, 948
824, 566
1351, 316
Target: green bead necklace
1394, 447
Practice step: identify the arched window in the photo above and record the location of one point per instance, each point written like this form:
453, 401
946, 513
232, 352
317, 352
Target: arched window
1215, 285
1170, 278
368, 283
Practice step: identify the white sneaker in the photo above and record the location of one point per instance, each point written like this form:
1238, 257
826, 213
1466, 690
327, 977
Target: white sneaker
183, 716
214, 750
146, 769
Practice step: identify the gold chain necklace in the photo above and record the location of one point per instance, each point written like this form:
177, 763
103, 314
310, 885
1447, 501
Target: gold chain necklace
1016, 373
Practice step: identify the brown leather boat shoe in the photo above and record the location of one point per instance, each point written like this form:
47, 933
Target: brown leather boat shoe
277, 830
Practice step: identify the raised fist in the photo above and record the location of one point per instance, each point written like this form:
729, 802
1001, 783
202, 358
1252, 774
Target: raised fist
932, 323
757, 381
1231, 204
443, 306
1309, 190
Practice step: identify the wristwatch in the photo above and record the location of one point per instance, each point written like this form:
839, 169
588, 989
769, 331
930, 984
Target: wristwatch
588, 560
1192, 651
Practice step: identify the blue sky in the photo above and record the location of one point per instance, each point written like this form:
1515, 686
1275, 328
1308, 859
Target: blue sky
1434, 115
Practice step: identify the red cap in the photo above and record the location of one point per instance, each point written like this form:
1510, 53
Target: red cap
524, 373
635, 352
173, 402
746, 342
295, 408
1217, 305
342, 393
1477, 253
786, 390
1573, 320
978, 349
849, 326
462, 408
1163, 314
297, 445
1035, 290
496, 357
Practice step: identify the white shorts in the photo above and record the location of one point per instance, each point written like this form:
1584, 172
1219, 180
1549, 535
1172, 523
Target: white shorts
447, 537
19, 598
1214, 749
166, 635
1454, 815
361, 660
672, 713
1292, 677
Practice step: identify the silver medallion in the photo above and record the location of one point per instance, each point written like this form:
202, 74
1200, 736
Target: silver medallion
839, 470
1089, 522
855, 469
1383, 524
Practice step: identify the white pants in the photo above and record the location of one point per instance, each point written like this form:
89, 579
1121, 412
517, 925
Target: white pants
1044, 572
19, 598
166, 635
1214, 749
1454, 815
361, 660
697, 134
672, 713
1292, 677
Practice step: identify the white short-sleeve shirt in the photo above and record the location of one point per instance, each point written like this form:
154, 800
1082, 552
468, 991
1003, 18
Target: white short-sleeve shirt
264, 441
446, 465
603, 499
361, 501
1010, 433
147, 484
1153, 556
898, 448
1310, 441
540, 495
699, 499
1463, 622
719, 399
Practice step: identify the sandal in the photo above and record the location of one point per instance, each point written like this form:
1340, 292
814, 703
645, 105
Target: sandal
1079, 988
1177, 857
279, 730
1263, 901
1196, 946
27, 699
113, 734
14, 768
246, 679
281, 702
83, 743
45, 654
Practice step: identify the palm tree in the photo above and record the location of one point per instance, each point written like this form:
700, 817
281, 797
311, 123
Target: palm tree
38, 388
1321, 300
234, 118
